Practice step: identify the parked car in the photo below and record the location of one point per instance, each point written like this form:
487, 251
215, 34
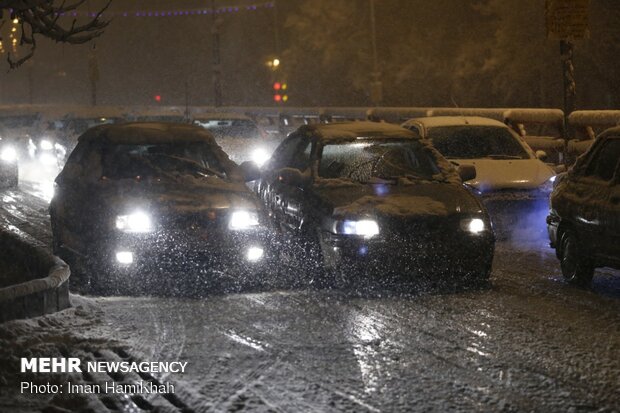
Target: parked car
137, 199
584, 218
9, 168
374, 198
512, 180
239, 136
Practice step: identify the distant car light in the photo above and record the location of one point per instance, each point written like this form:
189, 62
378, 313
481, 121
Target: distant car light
8, 154
366, 228
124, 257
48, 159
260, 156
254, 254
473, 225
241, 220
46, 145
136, 222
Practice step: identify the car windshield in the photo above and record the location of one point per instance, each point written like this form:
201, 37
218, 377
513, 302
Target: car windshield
237, 128
382, 159
472, 142
160, 160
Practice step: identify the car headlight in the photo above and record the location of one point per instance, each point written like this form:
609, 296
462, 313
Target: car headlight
473, 225
8, 154
548, 186
46, 145
136, 222
240, 220
366, 228
260, 156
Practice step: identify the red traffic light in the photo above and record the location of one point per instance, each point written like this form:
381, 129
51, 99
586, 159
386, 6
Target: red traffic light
277, 86
157, 98
277, 98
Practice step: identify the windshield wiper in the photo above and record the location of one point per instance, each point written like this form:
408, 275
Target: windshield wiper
504, 157
204, 170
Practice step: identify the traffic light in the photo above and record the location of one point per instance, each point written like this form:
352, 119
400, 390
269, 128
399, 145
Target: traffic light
280, 89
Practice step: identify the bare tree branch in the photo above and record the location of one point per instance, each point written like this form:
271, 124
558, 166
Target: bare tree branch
45, 18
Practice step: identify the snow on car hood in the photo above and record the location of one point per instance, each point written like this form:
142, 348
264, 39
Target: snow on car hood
166, 197
399, 200
495, 174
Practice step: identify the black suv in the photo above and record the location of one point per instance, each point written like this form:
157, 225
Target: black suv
584, 221
141, 198
376, 199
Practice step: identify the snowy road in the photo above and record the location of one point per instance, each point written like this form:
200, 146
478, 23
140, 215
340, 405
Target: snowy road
528, 343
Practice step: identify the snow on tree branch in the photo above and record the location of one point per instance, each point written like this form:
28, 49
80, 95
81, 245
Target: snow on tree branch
48, 18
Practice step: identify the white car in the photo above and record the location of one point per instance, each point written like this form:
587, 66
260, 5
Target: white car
502, 159
508, 171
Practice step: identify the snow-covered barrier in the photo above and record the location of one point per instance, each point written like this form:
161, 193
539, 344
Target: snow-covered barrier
33, 282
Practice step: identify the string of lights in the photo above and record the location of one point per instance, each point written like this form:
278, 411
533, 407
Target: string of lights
173, 13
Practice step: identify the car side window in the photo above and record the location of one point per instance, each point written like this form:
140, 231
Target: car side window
604, 163
294, 152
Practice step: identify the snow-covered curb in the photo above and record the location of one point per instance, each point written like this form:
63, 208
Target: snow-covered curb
46, 288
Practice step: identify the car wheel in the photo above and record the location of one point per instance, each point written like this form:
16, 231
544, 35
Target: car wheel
576, 268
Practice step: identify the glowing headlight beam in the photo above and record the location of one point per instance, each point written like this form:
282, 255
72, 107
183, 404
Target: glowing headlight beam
473, 225
8, 154
136, 222
254, 254
260, 156
366, 228
241, 220
46, 145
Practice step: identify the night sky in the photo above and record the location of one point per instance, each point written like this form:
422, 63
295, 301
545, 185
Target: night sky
478, 53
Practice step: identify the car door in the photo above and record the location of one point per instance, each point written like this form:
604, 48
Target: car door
286, 201
596, 200
74, 198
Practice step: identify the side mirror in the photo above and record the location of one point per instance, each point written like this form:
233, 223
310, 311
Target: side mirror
293, 177
542, 155
466, 172
249, 171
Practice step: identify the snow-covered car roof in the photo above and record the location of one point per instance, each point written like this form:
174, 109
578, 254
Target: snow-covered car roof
437, 121
148, 132
352, 130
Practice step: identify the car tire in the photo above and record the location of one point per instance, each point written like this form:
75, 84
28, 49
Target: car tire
576, 268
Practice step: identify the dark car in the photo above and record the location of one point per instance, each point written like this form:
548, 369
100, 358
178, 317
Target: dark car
141, 198
584, 220
377, 199
9, 169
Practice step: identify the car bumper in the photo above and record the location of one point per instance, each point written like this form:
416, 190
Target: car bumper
182, 252
522, 212
450, 254
553, 222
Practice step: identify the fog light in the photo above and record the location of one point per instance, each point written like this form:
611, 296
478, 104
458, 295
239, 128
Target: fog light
124, 257
254, 254
473, 225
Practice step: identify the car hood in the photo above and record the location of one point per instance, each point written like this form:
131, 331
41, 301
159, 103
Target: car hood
125, 196
497, 174
398, 200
